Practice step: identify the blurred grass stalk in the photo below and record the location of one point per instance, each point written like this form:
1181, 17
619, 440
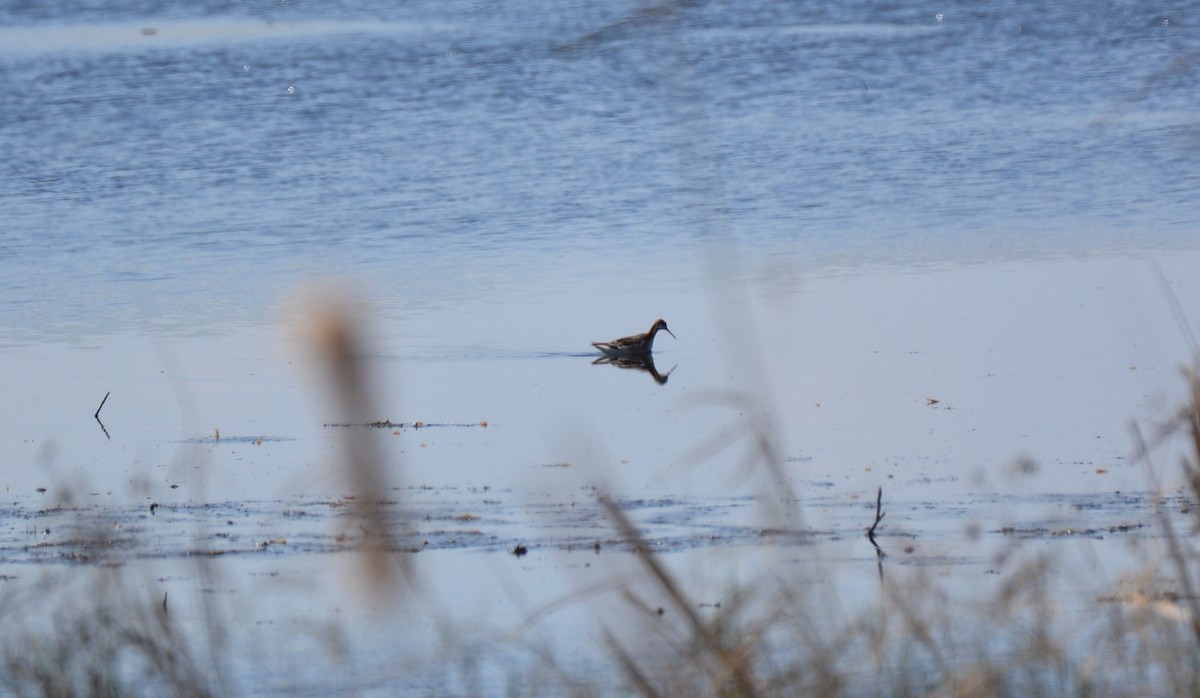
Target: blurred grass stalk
335, 331
94, 632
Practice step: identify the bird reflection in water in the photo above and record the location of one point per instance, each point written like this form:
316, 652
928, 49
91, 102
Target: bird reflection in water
644, 362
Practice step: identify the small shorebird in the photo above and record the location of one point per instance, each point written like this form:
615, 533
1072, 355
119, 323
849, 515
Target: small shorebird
634, 345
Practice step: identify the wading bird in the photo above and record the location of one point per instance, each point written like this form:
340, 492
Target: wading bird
634, 345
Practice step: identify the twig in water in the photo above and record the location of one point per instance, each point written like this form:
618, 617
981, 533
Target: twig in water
97, 413
879, 514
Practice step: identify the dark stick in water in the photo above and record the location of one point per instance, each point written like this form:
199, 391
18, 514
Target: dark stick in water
878, 516
97, 414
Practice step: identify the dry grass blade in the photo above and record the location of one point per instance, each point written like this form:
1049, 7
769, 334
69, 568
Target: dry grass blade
763, 451
736, 674
1180, 65
648, 15
1174, 545
1193, 417
639, 679
1191, 470
551, 608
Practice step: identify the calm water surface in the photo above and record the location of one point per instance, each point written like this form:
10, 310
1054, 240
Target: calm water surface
932, 249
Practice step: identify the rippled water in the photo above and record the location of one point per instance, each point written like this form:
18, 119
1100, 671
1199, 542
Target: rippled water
182, 164
927, 249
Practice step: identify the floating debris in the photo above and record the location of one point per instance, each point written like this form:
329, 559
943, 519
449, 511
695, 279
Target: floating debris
389, 424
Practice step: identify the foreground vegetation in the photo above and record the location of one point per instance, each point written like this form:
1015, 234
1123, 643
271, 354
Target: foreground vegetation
95, 631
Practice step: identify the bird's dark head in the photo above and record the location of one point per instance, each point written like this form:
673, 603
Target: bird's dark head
661, 324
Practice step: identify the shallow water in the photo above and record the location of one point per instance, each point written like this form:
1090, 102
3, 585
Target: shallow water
217, 452
918, 252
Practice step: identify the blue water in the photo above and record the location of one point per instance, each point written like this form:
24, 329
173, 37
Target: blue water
174, 166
